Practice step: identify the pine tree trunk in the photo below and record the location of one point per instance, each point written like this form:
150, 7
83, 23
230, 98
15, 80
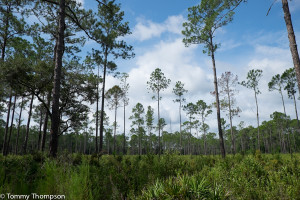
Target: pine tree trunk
280, 140
292, 39
159, 146
55, 122
102, 101
282, 102
150, 141
295, 104
140, 151
40, 130
7, 124
124, 136
6, 33
222, 146
11, 126
283, 139
230, 119
28, 125
296, 112
115, 129
45, 126
204, 136
97, 114
257, 118
180, 125
270, 140
19, 126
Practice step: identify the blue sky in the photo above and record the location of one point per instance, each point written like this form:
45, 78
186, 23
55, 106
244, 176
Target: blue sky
252, 41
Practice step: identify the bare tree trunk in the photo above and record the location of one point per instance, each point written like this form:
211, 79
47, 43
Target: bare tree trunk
270, 140
292, 39
40, 130
159, 146
280, 140
45, 127
180, 125
55, 122
140, 151
11, 126
115, 129
283, 139
222, 146
282, 102
102, 101
124, 136
28, 125
150, 141
230, 119
6, 32
97, 114
204, 136
7, 124
257, 118
19, 126
295, 104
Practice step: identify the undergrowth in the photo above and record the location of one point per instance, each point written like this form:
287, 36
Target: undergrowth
171, 176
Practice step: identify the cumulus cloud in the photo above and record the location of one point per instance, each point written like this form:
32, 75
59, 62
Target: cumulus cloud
147, 29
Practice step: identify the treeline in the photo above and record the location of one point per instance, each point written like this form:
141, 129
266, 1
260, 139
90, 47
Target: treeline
276, 137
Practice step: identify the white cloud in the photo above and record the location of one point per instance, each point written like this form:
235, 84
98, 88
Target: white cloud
146, 29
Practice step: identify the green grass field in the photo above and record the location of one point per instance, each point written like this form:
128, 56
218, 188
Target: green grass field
172, 176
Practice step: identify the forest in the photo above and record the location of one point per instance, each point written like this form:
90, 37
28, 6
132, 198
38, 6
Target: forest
59, 133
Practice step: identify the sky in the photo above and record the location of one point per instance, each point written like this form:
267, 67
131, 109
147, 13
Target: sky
252, 41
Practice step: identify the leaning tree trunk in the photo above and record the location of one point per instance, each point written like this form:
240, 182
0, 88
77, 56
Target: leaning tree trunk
292, 39
222, 146
28, 125
7, 124
283, 104
57, 80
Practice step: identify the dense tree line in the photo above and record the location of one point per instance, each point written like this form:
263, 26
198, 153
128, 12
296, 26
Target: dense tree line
43, 75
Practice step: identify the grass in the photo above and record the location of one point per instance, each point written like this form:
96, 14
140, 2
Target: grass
172, 176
